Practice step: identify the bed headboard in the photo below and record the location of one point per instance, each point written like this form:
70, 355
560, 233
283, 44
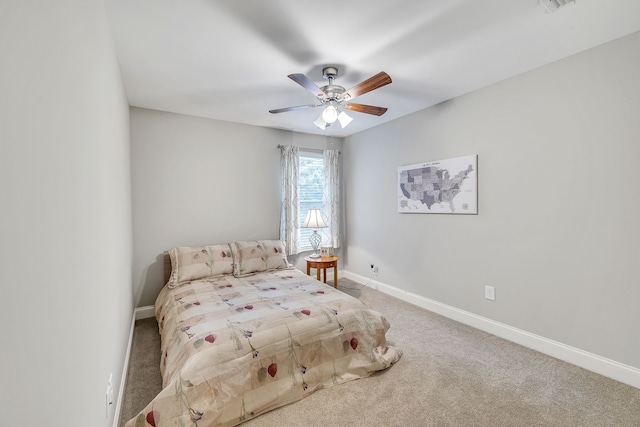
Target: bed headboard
167, 267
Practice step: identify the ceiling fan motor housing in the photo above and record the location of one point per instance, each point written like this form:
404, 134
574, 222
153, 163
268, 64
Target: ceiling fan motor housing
333, 91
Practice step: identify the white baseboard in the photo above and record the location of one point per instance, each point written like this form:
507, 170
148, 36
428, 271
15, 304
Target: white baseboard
145, 312
592, 362
138, 313
123, 378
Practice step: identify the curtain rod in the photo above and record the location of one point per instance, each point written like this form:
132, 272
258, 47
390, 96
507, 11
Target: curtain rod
313, 150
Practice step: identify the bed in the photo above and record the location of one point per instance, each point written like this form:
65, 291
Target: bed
243, 332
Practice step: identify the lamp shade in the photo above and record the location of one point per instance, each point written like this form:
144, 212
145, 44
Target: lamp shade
344, 119
320, 123
330, 114
314, 219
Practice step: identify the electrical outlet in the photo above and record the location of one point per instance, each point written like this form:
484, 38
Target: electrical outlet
109, 395
490, 293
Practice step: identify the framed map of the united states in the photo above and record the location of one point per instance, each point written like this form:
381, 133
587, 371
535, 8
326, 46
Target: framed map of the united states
441, 186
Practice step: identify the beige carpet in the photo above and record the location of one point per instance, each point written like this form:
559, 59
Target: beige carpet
449, 375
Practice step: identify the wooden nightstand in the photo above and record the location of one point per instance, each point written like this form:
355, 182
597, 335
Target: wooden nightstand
322, 263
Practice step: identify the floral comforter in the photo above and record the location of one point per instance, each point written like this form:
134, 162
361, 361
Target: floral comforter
234, 348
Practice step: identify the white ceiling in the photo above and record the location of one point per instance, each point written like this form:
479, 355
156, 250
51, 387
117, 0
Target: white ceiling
229, 59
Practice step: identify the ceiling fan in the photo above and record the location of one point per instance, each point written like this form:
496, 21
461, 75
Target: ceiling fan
336, 98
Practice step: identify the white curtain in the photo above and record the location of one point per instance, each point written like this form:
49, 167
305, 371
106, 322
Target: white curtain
331, 204
290, 211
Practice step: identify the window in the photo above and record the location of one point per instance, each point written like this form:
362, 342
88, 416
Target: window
310, 189
310, 179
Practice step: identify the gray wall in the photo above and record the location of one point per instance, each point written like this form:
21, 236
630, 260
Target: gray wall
65, 217
199, 181
557, 232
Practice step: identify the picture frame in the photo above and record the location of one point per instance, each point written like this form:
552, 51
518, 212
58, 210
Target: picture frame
326, 251
442, 186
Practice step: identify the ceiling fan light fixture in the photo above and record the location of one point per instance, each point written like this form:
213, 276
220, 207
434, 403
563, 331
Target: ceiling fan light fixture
320, 122
344, 119
330, 114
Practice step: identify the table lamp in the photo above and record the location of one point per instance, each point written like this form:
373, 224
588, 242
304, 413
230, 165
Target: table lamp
314, 220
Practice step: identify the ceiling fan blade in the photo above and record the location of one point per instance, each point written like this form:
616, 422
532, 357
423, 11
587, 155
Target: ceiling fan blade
368, 109
297, 107
372, 83
306, 83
